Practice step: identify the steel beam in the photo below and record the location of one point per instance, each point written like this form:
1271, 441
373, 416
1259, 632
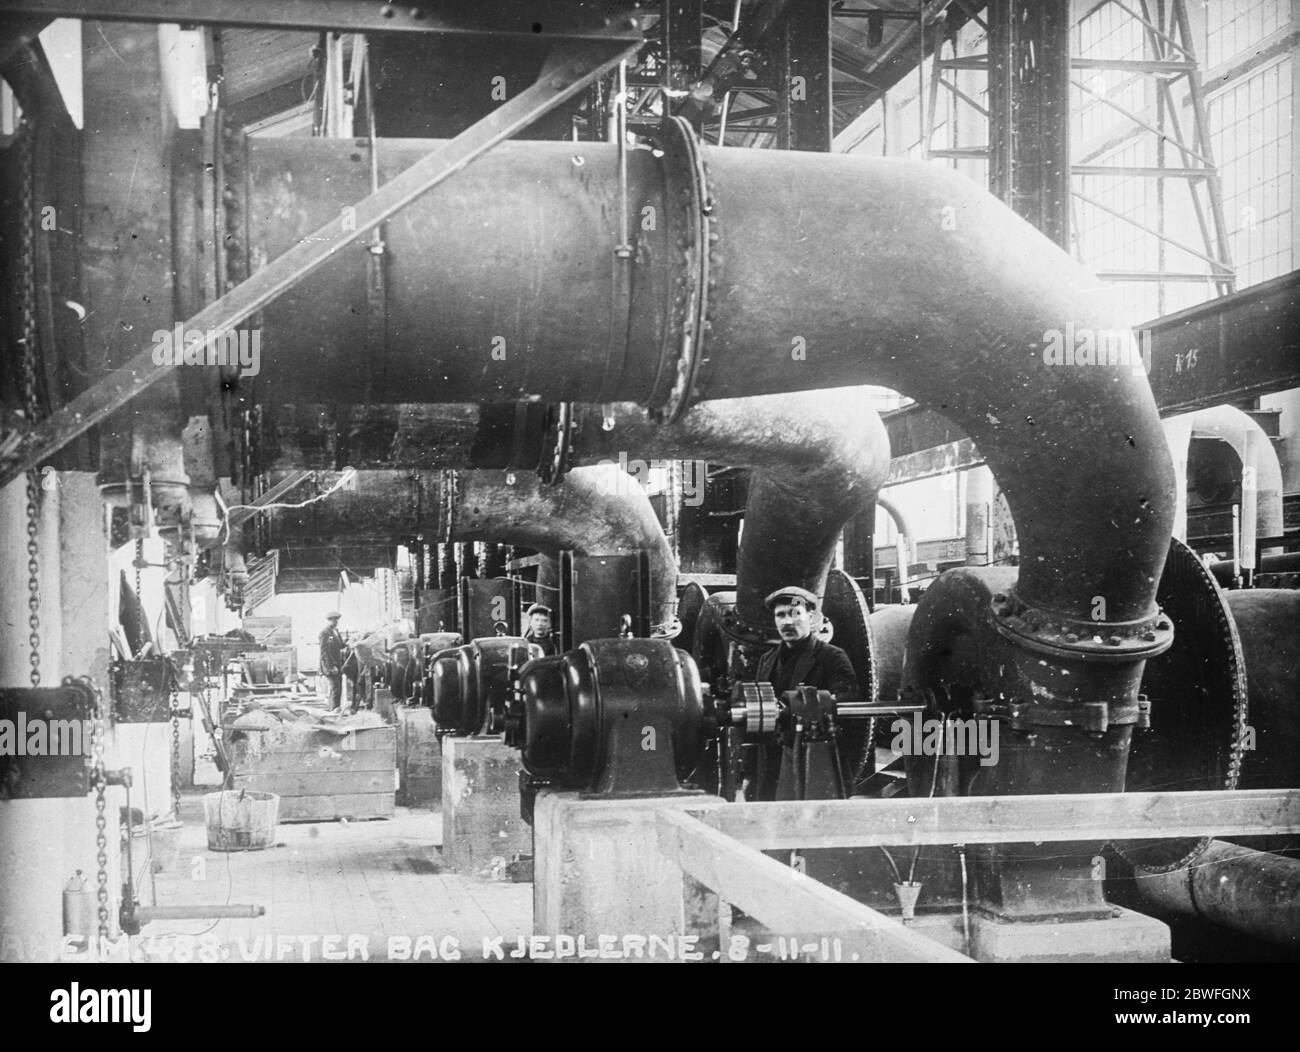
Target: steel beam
1029, 111
682, 33
804, 102
572, 68
547, 19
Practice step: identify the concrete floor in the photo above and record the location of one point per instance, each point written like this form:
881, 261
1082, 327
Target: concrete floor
374, 890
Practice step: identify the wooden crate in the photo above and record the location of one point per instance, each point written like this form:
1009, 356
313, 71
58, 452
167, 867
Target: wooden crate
319, 776
419, 758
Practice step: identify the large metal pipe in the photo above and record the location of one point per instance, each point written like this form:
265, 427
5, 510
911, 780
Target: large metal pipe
816, 457
755, 272
596, 511
1251, 444
1249, 891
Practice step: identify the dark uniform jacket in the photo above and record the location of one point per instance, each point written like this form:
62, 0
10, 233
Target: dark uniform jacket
331, 651
814, 664
810, 662
550, 644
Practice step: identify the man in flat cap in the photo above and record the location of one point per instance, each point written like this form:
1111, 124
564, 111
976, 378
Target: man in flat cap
539, 629
800, 659
331, 658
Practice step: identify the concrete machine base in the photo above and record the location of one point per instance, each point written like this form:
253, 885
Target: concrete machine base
482, 831
1125, 937
598, 874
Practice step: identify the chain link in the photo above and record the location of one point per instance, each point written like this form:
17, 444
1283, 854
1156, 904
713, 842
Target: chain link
139, 595
31, 400
176, 757
34, 577
32, 407
98, 732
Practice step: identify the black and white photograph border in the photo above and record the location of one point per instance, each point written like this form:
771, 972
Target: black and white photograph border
721, 481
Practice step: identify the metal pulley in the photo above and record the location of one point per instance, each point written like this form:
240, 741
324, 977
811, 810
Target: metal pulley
752, 710
469, 685
615, 717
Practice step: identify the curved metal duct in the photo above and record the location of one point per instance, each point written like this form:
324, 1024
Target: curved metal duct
904, 545
597, 511
1251, 444
816, 456
901, 274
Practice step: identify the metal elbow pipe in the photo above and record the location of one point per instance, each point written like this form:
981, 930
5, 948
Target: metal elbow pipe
765, 272
816, 458
1251, 444
597, 511
906, 542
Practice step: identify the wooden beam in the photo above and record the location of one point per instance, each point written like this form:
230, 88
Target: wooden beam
784, 900
1009, 819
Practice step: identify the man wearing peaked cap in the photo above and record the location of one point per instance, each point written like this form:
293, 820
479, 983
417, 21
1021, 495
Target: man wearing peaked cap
800, 659
539, 629
331, 658
793, 592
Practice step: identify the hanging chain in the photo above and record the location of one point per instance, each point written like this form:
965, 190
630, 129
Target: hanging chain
31, 400
33, 577
176, 750
97, 734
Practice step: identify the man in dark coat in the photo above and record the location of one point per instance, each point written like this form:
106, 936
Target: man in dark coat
800, 659
331, 658
539, 629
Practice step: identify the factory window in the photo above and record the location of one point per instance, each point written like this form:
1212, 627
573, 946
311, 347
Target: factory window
1234, 26
1104, 242
1106, 33
1250, 123
930, 506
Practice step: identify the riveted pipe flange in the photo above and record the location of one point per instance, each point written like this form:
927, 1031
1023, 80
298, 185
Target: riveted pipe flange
1046, 632
691, 208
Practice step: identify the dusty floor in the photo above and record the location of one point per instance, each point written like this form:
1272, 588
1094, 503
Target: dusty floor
373, 890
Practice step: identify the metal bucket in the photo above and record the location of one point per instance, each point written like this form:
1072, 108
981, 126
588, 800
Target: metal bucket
240, 819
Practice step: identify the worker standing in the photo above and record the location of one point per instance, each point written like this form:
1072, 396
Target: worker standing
331, 658
801, 659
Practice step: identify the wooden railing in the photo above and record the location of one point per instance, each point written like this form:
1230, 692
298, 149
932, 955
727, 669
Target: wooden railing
718, 850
